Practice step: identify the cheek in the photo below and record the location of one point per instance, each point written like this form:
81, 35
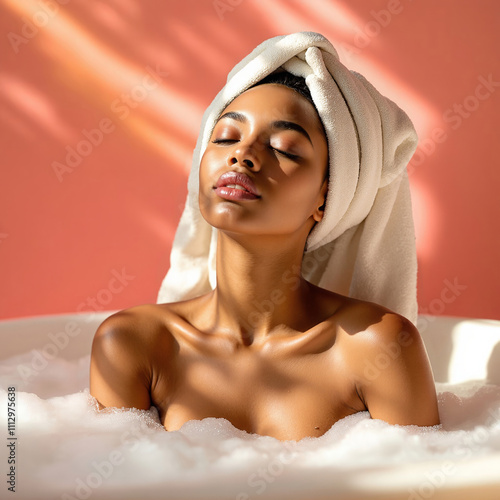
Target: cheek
206, 173
210, 170
302, 184
204, 183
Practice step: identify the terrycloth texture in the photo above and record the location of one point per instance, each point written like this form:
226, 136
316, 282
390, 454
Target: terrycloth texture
365, 245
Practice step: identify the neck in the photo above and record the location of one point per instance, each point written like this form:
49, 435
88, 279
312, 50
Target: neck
259, 286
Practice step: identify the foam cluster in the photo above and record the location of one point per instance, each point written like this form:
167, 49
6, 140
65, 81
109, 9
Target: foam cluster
69, 449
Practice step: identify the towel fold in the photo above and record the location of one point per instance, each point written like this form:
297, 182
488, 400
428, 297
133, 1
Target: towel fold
364, 246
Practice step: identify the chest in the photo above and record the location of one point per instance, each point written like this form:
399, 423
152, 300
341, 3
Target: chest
285, 398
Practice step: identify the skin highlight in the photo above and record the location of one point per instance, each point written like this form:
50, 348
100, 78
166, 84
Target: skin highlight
274, 356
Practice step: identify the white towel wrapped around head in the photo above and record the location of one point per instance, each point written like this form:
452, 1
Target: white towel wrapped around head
364, 246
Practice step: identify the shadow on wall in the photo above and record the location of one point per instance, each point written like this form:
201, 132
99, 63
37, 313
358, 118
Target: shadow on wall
109, 97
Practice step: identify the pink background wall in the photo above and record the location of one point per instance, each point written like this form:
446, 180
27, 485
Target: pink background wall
94, 231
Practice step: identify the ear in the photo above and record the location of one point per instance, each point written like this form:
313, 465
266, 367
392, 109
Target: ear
320, 211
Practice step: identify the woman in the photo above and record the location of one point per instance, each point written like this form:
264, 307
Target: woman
299, 170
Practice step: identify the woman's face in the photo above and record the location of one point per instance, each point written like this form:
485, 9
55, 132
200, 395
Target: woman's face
264, 169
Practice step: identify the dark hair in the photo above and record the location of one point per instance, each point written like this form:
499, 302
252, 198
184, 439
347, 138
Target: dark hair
297, 83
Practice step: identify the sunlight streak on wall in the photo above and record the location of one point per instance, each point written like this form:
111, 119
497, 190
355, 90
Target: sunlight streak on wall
110, 76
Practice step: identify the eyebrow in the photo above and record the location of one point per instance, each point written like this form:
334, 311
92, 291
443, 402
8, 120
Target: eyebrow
277, 125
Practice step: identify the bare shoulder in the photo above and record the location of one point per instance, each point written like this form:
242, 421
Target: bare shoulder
126, 348
367, 322
377, 333
139, 326
390, 364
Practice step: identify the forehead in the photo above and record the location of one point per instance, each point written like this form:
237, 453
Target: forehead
273, 101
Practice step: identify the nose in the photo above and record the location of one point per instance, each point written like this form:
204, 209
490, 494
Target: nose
244, 155
246, 161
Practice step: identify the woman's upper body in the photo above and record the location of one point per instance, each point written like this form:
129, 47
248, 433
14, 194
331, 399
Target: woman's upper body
265, 349
289, 384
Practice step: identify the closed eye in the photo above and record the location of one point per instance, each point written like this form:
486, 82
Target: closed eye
290, 156
286, 154
223, 141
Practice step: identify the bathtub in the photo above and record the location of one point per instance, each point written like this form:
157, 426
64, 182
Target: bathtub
59, 446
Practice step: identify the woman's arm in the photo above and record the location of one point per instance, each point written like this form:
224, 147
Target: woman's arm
397, 384
120, 371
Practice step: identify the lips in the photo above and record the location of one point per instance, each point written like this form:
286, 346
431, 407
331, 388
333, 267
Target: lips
236, 186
